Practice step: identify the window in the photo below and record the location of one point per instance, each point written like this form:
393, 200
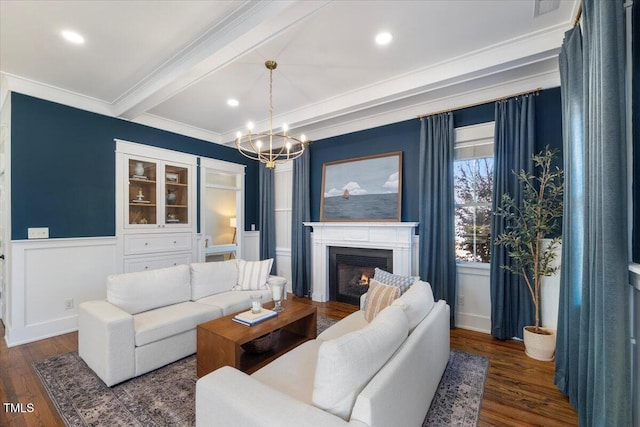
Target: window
473, 187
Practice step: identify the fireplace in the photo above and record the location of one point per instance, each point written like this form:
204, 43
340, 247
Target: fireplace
351, 268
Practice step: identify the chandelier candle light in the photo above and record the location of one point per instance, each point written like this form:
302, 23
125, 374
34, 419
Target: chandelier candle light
250, 145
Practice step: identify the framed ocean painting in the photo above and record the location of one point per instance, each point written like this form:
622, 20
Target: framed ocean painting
362, 189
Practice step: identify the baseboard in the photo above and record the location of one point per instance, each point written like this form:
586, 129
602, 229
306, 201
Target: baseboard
473, 322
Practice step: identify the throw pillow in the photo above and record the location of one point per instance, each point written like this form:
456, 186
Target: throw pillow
402, 282
146, 290
346, 364
208, 278
379, 297
417, 302
253, 275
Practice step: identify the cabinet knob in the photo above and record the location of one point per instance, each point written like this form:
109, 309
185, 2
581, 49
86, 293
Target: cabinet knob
174, 242
146, 243
146, 268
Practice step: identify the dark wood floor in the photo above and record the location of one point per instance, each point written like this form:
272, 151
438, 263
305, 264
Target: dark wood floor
519, 391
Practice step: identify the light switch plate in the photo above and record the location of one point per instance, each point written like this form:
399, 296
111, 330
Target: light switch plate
38, 232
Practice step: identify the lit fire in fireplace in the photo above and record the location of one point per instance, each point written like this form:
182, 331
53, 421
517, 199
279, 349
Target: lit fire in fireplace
364, 280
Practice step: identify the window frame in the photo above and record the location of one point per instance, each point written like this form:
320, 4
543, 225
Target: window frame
468, 137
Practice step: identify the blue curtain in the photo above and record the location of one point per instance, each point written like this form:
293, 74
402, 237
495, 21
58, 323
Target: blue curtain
593, 349
511, 306
301, 235
437, 233
267, 214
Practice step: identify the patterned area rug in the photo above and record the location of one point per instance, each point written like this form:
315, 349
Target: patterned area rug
166, 396
457, 400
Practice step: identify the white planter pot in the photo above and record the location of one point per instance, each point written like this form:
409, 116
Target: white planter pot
540, 346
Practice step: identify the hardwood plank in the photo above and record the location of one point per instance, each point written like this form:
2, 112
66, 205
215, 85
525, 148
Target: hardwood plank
519, 391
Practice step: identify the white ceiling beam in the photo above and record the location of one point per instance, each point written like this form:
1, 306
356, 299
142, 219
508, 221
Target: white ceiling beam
250, 25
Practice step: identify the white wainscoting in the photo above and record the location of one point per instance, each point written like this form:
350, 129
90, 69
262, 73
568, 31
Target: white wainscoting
251, 245
47, 273
474, 293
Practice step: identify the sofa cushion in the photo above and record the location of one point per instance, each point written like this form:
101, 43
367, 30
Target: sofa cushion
402, 282
234, 301
346, 364
146, 290
293, 372
352, 322
164, 322
253, 274
378, 298
208, 278
417, 302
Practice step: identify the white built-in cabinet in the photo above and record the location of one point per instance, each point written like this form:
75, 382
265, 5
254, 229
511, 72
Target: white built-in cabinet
155, 207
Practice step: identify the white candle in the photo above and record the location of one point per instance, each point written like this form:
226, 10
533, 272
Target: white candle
255, 306
276, 291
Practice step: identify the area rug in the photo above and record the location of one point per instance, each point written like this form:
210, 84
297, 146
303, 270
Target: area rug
166, 396
459, 394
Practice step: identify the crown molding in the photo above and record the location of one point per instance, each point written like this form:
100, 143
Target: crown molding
178, 127
54, 94
472, 92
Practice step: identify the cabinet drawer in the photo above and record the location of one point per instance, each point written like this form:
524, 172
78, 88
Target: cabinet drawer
153, 263
152, 243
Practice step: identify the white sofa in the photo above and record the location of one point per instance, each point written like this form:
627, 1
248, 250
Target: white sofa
149, 318
379, 374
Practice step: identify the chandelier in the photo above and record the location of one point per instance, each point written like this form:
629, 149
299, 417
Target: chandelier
270, 147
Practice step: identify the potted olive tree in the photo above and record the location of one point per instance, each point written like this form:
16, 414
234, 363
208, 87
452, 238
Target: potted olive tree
527, 224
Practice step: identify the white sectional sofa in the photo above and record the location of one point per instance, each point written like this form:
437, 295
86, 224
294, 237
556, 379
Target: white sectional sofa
149, 318
378, 374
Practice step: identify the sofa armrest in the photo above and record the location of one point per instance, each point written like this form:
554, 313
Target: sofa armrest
229, 397
106, 341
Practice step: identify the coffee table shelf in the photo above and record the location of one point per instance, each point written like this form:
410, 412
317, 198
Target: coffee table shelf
219, 342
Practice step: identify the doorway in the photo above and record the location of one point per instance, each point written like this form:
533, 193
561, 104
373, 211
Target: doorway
222, 210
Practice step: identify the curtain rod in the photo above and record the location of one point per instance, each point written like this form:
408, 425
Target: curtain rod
576, 21
502, 98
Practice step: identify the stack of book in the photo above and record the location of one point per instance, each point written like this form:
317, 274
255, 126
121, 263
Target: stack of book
249, 318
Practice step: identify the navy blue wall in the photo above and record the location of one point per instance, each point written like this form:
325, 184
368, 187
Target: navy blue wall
63, 167
405, 137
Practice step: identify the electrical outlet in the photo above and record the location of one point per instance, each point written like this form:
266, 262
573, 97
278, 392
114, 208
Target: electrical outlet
460, 299
38, 232
68, 304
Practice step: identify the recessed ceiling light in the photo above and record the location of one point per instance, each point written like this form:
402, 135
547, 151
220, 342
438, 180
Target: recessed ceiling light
232, 102
384, 38
72, 37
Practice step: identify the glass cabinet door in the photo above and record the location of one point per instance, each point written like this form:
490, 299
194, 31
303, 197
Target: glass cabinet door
142, 192
176, 195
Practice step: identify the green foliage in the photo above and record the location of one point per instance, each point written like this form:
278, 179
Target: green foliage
531, 221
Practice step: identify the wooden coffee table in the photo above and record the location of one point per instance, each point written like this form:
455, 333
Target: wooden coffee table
219, 342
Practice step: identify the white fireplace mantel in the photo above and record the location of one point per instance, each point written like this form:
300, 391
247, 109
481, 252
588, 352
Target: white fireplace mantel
395, 236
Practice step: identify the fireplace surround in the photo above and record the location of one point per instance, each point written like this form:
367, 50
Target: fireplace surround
351, 268
394, 236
